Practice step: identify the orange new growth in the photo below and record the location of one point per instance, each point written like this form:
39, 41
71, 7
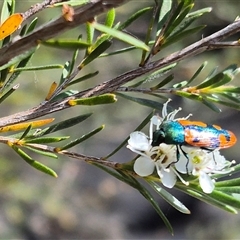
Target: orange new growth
10, 25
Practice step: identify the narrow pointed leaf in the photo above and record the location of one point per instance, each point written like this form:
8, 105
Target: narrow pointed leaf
64, 124
41, 152
84, 78
228, 183
90, 33
37, 165
133, 18
51, 91
66, 44
46, 140
110, 18
143, 101
121, 36
101, 99
155, 205
95, 53
81, 139
211, 81
10, 25
208, 199
8, 93
65, 72
189, 19
35, 68
163, 83
32, 25
229, 190
18, 58
26, 131
64, 95
21, 126
159, 73
181, 35
21, 64
169, 198
195, 75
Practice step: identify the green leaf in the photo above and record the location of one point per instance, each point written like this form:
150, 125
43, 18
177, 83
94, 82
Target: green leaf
35, 68
95, 53
225, 198
133, 18
211, 105
110, 18
189, 19
74, 57
81, 139
163, 82
90, 33
45, 140
18, 58
169, 25
195, 75
159, 73
181, 35
42, 152
32, 25
96, 100
24, 59
143, 101
123, 50
121, 36
8, 93
228, 183
198, 194
25, 133
84, 78
37, 165
65, 72
72, 3
66, 44
176, 20
229, 190
164, 13
63, 125
218, 101
155, 205
64, 95
7, 9
169, 198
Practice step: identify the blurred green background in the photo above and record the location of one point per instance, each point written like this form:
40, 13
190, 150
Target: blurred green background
84, 202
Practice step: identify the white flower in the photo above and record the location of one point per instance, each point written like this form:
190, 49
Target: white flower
160, 157
203, 163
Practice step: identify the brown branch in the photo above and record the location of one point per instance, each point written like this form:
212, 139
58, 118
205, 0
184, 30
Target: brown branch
81, 15
205, 44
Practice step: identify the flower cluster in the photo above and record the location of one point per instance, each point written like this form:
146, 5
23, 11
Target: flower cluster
171, 161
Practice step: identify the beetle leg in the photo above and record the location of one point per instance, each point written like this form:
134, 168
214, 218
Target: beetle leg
186, 156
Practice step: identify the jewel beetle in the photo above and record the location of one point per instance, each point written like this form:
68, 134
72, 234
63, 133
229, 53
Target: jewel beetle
183, 132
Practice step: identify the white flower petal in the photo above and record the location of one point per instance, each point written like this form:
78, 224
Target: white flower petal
168, 177
206, 182
139, 141
143, 166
